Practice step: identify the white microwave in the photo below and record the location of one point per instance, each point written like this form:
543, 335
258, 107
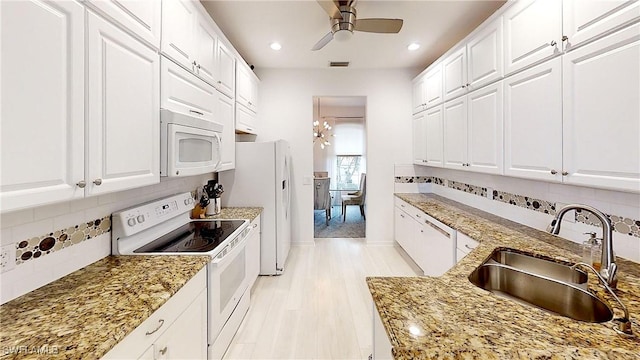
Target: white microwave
188, 145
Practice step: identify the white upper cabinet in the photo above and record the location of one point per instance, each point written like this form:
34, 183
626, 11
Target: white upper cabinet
454, 68
42, 112
246, 120
183, 92
142, 18
433, 87
455, 133
247, 87
484, 51
433, 130
533, 122
225, 114
206, 42
178, 39
225, 70
532, 33
485, 129
123, 127
419, 94
419, 139
586, 20
602, 112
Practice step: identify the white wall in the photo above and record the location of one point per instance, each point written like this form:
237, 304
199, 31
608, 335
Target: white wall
286, 112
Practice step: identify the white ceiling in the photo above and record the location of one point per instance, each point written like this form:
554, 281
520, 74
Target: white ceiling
252, 25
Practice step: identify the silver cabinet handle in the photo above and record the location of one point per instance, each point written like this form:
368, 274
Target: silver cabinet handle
219, 81
553, 43
468, 247
435, 227
161, 321
401, 205
81, 184
198, 66
462, 87
98, 182
418, 216
163, 351
402, 216
249, 129
565, 38
553, 172
196, 112
565, 173
255, 226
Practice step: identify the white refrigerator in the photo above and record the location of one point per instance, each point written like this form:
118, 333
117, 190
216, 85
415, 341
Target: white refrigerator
262, 178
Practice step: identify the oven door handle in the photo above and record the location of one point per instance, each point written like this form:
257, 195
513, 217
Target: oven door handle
218, 261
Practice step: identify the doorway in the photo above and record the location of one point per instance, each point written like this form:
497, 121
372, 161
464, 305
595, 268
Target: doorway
339, 166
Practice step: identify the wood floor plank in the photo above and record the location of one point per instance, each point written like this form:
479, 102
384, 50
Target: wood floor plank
320, 308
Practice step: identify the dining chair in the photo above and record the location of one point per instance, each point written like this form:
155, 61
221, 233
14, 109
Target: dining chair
322, 197
355, 198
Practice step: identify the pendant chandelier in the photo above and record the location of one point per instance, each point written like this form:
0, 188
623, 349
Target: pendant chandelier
321, 133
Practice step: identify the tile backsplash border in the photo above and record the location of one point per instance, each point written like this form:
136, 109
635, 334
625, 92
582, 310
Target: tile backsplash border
620, 224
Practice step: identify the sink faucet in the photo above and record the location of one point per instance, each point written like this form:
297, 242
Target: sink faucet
608, 265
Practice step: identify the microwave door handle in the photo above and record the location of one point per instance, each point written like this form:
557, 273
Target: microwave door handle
215, 134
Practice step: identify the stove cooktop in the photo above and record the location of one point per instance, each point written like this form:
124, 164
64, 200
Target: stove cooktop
194, 237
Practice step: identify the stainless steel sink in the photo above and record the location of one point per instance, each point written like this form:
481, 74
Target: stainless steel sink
545, 293
537, 265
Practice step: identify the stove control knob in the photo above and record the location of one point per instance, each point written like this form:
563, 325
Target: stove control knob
140, 218
131, 221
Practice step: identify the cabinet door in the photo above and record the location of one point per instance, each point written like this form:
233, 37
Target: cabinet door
243, 83
225, 114
124, 116
532, 33
245, 120
226, 70
585, 20
186, 338
381, 344
484, 53
403, 230
42, 112
533, 123
485, 129
183, 92
455, 74
205, 48
602, 113
433, 129
140, 17
455, 133
419, 102
438, 248
419, 139
433, 87
178, 40
253, 252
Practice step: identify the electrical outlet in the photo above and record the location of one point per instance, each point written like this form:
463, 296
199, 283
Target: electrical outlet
8, 257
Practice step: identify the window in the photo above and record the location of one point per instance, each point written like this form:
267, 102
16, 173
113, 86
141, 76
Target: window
348, 174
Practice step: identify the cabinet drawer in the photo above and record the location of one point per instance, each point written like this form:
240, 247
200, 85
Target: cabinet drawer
142, 337
183, 92
403, 205
465, 243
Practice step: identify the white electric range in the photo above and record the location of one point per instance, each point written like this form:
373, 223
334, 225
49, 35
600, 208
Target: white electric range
164, 227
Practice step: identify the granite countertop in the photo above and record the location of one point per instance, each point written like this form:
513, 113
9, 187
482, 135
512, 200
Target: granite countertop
249, 213
86, 313
456, 319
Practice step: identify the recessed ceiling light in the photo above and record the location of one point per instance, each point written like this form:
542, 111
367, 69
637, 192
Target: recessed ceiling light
413, 46
276, 46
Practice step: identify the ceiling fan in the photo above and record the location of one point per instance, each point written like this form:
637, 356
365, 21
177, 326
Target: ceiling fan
343, 22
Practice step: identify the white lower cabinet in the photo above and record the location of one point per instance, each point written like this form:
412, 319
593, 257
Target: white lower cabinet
123, 125
427, 241
381, 344
253, 252
464, 245
177, 330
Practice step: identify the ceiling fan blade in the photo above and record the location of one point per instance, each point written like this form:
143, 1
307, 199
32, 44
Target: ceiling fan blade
324, 41
330, 8
379, 25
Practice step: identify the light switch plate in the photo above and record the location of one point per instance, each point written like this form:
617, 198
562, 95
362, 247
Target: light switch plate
8, 257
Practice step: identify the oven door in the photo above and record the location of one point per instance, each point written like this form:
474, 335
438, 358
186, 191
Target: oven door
227, 283
191, 151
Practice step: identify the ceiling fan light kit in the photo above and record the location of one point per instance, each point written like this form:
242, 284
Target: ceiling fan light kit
344, 22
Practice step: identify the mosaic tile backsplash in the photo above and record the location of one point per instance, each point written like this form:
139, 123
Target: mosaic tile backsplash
620, 224
45, 244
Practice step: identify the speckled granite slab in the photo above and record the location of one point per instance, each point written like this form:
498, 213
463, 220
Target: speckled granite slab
451, 318
249, 213
86, 313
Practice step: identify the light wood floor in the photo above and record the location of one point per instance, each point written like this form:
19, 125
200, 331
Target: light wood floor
320, 308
